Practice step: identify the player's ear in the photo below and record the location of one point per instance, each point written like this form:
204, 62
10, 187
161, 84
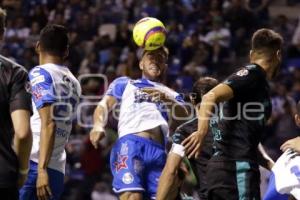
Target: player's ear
141, 64
297, 120
278, 54
251, 54
192, 98
37, 47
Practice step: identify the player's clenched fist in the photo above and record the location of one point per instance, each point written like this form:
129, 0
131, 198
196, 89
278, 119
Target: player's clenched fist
96, 135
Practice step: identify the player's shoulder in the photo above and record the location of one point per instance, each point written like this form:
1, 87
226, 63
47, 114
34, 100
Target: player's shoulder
121, 80
39, 74
11, 66
248, 69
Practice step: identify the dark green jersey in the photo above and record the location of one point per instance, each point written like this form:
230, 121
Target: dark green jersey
243, 118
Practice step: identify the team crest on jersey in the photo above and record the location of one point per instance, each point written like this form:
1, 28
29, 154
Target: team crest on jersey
243, 72
121, 162
127, 178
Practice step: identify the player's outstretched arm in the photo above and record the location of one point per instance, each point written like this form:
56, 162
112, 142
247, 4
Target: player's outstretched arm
178, 112
210, 100
169, 181
20, 106
46, 148
100, 119
22, 141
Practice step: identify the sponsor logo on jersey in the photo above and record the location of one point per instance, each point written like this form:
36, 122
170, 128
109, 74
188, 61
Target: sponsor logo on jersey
38, 93
38, 79
243, 72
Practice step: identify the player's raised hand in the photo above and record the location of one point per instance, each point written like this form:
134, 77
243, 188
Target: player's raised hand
291, 144
192, 144
96, 135
42, 185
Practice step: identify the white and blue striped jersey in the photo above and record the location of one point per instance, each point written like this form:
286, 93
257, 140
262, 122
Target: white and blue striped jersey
285, 177
137, 111
55, 85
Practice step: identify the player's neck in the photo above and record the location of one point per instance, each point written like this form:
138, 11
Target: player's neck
46, 58
150, 79
263, 63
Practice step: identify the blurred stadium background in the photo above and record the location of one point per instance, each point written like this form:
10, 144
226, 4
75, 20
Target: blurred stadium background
205, 37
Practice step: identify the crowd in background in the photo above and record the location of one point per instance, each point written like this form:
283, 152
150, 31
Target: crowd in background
204, 37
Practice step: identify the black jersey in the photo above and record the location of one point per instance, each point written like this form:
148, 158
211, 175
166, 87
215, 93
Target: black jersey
199, 164
243, 118
13, 96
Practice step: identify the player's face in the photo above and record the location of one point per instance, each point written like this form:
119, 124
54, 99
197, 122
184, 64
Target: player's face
153, 64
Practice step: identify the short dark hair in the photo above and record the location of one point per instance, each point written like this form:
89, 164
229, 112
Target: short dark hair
2, 20
163, 50
202, 86
54, 40
266, 41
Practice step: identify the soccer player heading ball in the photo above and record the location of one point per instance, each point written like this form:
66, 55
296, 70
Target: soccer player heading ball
138, 156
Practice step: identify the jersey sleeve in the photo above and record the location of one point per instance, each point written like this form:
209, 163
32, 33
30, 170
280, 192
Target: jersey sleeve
179, 99
117, 87
42, 87
20, 97
242, 80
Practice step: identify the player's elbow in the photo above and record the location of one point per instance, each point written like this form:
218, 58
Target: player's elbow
23, 133
209, 97
49, 126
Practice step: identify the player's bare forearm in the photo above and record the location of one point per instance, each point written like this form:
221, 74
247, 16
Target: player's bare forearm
209, 104
99, 117
47, 137
210, 101
263, 158
101, 112
23, 137
169, 180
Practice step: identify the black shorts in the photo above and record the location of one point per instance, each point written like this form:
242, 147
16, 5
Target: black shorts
233, 180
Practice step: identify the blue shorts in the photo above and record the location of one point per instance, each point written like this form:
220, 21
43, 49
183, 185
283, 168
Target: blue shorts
271, 193
56, 180
136, 164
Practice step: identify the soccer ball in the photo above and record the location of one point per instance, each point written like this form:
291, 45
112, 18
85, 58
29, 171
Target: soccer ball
149, 33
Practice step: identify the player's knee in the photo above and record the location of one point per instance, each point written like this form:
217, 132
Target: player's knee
131, 196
